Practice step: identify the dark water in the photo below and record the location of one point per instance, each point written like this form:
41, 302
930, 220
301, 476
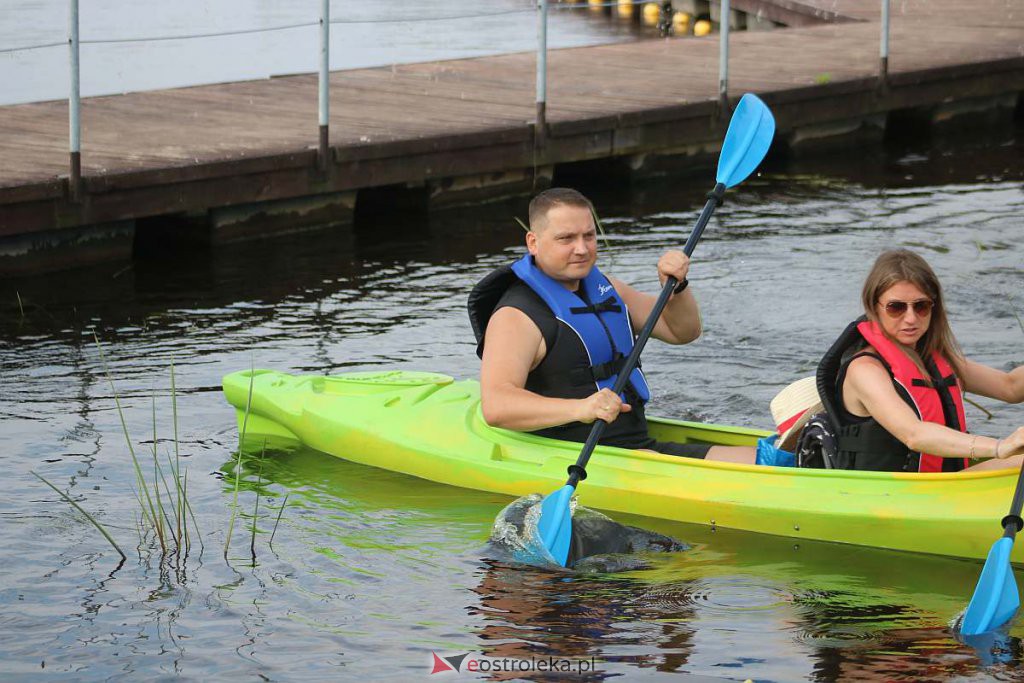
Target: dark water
369, 572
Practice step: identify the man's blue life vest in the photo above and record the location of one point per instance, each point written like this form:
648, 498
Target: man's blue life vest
596, 315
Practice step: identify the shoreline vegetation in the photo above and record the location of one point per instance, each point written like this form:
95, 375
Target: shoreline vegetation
164, 511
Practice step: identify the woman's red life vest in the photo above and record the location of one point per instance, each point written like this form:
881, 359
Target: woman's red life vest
927, 394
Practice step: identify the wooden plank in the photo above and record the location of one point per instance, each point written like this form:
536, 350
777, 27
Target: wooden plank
389, 115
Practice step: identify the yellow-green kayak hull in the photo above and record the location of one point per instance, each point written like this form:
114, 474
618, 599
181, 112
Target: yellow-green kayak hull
429, 426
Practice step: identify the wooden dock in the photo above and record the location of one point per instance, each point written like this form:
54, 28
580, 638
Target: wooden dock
230, 154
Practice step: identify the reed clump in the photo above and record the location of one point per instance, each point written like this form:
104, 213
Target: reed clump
165, 510
255, 516
165, 518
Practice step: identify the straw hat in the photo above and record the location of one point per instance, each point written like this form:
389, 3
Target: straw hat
792, 408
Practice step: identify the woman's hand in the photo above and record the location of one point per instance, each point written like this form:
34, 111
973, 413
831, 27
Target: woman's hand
1011, 445
604, 405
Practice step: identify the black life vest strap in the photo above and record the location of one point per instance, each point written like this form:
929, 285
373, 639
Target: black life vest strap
609, 305
860, 444
947, 381
869, 354
597, 373
860, 438
949, 409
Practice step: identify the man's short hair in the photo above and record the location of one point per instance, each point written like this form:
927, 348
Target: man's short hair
556, 196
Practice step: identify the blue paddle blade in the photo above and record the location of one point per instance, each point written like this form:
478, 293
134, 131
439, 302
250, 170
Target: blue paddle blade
555, 525
746, 142
996, 597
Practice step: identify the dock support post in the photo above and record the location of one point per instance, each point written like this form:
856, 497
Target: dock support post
540, 128
74, 108
723, 57
883, 51
323, 148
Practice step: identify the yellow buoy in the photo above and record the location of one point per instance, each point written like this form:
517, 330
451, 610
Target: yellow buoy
681, 23
625, 8
652, 13
702, 27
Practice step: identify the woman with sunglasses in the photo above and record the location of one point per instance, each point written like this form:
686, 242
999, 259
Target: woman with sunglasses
899, 378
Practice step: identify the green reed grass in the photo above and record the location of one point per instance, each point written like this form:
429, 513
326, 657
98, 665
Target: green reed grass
600, 229
256, 509
89, 517
238, 465
158, 478
278, 520
979, 406
148, 508
178, 526
164, 509
138, 525
192, 515
176, 470
162, 512
182, 504
1013, 309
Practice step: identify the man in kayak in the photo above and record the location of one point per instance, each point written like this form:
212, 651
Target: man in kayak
553, 331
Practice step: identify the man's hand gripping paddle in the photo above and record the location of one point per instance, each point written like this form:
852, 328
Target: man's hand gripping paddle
746, 142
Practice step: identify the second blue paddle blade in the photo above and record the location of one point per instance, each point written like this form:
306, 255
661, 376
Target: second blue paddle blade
996, 598
750, 134
555, 525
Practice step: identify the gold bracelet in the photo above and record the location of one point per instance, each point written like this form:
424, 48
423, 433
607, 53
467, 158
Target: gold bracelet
973, 440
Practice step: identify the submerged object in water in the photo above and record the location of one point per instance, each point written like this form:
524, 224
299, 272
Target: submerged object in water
599, 543
428, 425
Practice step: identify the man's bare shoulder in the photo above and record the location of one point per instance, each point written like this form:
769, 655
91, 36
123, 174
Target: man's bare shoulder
513, 340
510, 318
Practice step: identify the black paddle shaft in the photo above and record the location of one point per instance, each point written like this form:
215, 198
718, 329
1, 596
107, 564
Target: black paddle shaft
1012, 523
578, 472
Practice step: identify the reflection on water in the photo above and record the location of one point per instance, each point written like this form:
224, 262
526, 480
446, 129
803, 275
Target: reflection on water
760, 605
371, 572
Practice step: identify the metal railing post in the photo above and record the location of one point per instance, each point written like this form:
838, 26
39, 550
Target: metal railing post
723, 56
74, 107
325, 74
540, 130
883, 51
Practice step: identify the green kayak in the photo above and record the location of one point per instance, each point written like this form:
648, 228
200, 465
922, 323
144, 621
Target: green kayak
428, 425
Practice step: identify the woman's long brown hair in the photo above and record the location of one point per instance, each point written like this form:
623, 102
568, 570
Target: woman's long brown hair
903, 265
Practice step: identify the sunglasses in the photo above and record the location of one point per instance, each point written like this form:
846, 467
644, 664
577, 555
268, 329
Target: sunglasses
922, 307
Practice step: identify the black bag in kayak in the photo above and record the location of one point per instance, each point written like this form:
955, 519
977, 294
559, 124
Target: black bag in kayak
817, 446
